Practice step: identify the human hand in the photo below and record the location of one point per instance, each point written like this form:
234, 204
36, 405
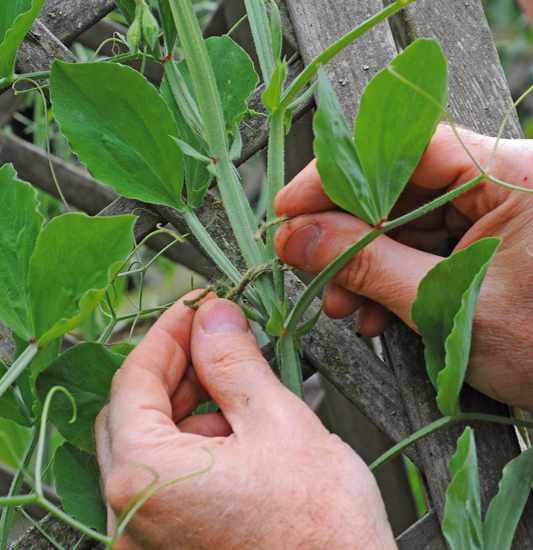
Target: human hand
278, 478
384, 277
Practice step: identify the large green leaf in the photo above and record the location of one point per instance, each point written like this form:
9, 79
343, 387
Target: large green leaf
127, 7
86, 371
16, 19
78, 486
120, 127
73, 262
461, 523
444, 311
20, 224
337, 160
507, 506
396, 121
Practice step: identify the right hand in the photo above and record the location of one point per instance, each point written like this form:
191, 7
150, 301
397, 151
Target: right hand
384, 277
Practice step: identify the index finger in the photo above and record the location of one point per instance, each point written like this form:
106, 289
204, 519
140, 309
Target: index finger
140, 405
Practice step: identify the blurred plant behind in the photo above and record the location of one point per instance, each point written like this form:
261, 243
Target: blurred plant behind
514, 38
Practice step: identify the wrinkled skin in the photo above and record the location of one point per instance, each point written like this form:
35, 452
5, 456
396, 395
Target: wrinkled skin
276, 477
384, 277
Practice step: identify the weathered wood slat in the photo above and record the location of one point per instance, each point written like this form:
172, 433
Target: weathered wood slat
423, 535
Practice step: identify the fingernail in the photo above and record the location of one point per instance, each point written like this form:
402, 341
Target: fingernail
223, 317
301, 245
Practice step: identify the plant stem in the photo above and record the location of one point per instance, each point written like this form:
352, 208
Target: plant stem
289, 364
236, 204
275, 183
16, 483
329, 53
442, 423
18, 367
318, 283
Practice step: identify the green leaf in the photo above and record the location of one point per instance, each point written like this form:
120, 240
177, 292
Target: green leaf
261, 32
167, 21
78, 486
120, 127
507, 506
236, 81
20, 224
461, 523
16, 19
396, 121
271, 97
86, 372
74, 260
127, 7
9, 405
337, 160
190, 151
235, 76
444, 312
276, 30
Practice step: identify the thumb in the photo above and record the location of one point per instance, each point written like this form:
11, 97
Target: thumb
385, 271
229, 365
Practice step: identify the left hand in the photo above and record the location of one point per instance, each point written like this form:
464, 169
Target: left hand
277, 477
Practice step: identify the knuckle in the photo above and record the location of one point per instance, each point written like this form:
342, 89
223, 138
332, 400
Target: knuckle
356, 276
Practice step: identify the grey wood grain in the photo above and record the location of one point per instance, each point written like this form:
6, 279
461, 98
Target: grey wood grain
423, 535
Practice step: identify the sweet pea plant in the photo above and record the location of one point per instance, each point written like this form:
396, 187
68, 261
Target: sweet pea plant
167, 146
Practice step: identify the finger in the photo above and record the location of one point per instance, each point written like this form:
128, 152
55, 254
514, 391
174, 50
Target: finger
304, 194
140, 405
188, 396
372, 320
230, 366
208, 425
339, 302
386, 271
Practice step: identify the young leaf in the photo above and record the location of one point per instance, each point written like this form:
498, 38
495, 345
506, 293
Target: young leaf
461, 523
74, 259
120, 127
16, 19
445, 318
86, 372
261, 32
78, 486
271, 97
276, 30
396, 121
169, 29
337, 160
20, 224
190, 151
235, 75
507, 506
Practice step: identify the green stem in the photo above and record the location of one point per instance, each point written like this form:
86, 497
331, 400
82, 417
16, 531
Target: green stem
18, 367
8, 511
275, 182
318, 283
329, 53
236, 204
443, 423
291, 373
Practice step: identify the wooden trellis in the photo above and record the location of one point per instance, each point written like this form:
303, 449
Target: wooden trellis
395, 395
